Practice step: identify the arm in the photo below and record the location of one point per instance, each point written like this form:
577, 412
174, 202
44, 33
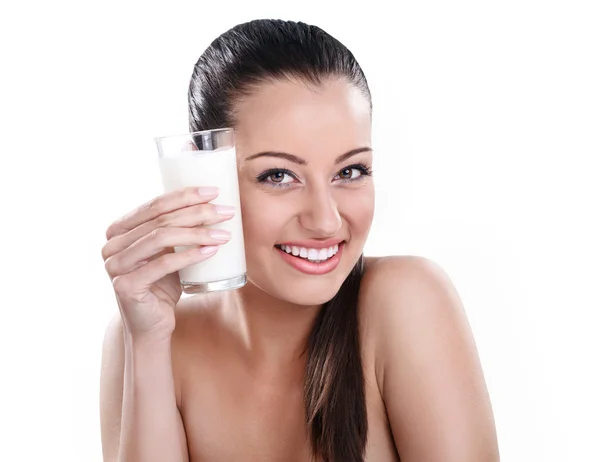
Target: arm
139, 417
429, 372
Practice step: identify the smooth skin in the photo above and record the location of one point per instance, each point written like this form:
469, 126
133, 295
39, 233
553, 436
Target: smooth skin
219, 377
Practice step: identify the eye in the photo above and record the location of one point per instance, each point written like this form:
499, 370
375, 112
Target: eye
276, 177
349, 173
279, 177
353, 173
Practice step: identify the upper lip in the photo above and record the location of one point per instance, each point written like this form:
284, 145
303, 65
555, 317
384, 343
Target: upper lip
312, 244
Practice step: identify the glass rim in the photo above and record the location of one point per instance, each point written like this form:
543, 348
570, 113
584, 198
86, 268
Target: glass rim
200, 132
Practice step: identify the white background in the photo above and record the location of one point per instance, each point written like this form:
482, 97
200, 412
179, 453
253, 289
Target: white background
487, 137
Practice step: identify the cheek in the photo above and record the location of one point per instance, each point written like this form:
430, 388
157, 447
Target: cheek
357, 209
264, 217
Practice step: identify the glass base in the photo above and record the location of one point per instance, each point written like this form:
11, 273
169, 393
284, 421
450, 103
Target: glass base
203, 287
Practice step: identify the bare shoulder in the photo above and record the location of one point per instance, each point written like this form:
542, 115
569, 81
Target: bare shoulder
392, 292
406, 303
410, 305
426, 362
398, 286
401, 272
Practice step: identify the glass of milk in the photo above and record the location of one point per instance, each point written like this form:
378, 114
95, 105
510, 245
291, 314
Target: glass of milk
207, 158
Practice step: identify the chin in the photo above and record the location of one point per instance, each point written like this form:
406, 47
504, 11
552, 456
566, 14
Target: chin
302, 293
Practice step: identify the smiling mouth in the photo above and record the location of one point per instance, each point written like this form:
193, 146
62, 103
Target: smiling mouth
310, 254
312, 261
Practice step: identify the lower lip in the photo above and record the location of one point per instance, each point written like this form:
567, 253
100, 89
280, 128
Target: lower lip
307, 267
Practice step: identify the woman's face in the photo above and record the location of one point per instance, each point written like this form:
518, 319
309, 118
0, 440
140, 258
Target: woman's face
304, 156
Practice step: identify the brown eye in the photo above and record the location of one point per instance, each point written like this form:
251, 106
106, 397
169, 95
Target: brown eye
346, 174
277, 177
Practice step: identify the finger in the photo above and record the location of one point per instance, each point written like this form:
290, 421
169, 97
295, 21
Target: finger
139, 264
196, 215
160, 205
157, 241
138, 281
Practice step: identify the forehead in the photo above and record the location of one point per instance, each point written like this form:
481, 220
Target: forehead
295, 117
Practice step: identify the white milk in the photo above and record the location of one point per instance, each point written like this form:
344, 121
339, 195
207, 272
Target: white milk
210, 168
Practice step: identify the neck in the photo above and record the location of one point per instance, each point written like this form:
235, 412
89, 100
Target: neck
273, 332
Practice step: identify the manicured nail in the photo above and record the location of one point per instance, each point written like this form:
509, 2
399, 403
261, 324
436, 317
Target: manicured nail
209, 249
226, 210
220, 234
208, 191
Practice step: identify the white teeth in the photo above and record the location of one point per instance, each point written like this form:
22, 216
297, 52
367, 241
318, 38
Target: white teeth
313, 254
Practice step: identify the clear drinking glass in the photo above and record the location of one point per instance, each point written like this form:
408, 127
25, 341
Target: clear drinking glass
207, 158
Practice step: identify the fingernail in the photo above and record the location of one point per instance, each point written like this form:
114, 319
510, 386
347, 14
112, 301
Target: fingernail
209, 249
226, 210
208, 191
220, 234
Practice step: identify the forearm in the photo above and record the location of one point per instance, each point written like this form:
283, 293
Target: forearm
150, 424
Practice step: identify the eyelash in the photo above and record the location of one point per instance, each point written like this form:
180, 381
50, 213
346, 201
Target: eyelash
264, 176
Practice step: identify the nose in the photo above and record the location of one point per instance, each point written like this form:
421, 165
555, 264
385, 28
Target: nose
320, 214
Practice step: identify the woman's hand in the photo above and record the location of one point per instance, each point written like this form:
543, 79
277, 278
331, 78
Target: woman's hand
141, 262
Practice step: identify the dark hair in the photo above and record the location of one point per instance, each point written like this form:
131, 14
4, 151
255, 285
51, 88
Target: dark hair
242, 58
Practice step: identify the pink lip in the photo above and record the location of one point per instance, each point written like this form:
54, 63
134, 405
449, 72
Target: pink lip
311, 244
303, 265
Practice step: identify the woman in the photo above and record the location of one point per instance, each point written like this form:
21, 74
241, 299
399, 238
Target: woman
346, 360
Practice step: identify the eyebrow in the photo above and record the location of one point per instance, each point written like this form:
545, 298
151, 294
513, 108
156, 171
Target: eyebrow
300, 161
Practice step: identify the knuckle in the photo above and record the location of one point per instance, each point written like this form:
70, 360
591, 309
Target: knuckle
106, 253
201, 231
205, 212
157, 235
111, 265
153, 205
162, 220
121, 284
180, 196
112, 231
